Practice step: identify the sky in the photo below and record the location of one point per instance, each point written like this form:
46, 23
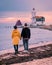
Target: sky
8, 8
25, 5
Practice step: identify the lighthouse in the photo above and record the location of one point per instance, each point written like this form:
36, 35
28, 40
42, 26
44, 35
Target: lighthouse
33, 16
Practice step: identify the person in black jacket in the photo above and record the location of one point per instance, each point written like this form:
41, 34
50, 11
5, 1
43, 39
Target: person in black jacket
25, 34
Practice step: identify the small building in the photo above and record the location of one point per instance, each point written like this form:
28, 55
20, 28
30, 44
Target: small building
40, 19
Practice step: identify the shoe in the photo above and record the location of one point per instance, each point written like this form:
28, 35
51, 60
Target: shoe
25, 51
15, 53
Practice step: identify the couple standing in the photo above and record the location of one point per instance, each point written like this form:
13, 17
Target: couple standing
16, 36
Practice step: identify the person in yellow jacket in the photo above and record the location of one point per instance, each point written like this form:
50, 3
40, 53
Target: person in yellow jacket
16, 38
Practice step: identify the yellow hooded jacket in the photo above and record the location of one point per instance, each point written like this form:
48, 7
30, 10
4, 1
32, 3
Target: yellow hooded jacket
16, 37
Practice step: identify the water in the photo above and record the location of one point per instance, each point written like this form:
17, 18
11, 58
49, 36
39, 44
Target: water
37, 35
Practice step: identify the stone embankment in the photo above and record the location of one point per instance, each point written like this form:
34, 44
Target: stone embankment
39, 52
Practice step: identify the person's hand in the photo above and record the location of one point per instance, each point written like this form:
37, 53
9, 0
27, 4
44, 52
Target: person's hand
20, 38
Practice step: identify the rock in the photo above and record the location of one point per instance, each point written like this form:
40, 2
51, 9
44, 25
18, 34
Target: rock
33, 53
18, 23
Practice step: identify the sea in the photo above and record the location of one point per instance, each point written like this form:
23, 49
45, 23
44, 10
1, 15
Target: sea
37, 36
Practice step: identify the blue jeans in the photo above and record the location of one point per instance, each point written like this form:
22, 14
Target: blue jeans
25, 43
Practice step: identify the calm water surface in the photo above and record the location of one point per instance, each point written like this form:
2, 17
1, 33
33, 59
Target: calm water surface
37, 35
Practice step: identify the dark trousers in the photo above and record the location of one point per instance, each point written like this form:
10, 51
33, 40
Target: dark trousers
16, 48
25, 43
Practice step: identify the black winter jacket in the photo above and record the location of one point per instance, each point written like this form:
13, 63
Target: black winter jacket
25, 33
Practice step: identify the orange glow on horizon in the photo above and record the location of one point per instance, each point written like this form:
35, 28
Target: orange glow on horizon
8, 19
27, 18
14, 19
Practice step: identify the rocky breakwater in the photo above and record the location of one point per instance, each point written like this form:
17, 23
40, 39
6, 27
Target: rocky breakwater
33, 53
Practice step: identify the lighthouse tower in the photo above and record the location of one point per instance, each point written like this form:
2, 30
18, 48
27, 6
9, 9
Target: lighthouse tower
33, 16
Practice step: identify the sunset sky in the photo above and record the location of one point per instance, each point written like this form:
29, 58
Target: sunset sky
11, 10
